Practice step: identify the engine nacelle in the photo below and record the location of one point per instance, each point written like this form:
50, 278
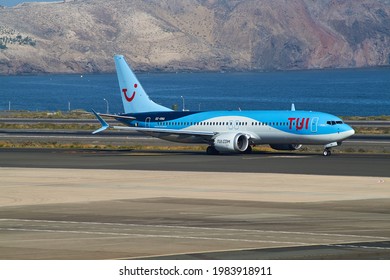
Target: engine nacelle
231, 142
286, 147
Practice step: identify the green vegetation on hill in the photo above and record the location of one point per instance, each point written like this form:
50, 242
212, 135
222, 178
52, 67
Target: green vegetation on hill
9, 36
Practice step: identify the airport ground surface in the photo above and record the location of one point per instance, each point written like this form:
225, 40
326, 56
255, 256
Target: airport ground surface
108, 204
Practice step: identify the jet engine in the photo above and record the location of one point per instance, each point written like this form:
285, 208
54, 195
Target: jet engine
231, 142
286, 147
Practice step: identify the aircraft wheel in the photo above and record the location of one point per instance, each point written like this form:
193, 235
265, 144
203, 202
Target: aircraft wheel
248, 150
327, 152
212, 151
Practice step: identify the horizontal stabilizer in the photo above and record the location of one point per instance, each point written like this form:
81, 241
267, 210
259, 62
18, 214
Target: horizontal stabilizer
104, 124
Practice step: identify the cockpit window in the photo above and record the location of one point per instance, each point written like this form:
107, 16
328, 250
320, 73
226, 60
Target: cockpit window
334, 122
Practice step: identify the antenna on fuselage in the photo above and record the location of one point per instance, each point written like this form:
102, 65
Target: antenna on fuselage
292, 107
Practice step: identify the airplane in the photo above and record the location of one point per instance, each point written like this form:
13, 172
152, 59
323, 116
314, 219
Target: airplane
224, 131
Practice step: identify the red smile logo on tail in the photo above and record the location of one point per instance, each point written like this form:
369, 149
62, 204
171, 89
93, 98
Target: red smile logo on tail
129, 99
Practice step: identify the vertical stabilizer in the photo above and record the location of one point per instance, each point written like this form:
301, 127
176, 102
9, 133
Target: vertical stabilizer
134, 97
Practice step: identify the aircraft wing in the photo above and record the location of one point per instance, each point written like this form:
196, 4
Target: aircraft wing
167, 131
206, 136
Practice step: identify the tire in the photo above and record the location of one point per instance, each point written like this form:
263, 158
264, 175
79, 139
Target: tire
248, 150
211, 151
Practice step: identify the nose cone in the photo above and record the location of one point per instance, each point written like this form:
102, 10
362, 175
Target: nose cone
347, 131
352, 132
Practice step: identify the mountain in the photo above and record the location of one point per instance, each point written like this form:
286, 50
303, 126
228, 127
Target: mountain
81, 36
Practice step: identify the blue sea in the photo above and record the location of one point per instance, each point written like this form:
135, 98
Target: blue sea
342, 92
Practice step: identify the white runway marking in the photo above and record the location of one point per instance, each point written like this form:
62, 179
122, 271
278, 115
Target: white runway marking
155, 236
199, 233
361, 247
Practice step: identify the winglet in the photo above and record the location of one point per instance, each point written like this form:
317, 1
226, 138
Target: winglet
104, 124
292, 107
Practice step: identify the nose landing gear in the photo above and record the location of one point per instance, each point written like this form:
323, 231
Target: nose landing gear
327, 152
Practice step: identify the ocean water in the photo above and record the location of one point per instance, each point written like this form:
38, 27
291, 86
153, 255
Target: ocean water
343, 92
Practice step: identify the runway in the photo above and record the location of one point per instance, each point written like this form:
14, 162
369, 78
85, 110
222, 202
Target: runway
91, 204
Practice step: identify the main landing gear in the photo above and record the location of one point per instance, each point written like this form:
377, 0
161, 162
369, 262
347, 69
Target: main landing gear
211, 150
248, 150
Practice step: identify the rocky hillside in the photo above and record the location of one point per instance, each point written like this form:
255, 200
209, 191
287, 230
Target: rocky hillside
82, 35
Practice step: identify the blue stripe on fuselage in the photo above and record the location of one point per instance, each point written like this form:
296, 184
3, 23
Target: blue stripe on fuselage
294, 122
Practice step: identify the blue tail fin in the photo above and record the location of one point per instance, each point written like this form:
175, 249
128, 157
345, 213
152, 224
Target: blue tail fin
134, 97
